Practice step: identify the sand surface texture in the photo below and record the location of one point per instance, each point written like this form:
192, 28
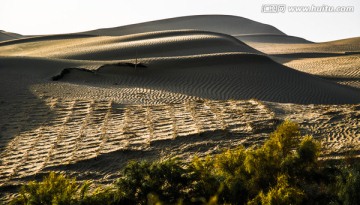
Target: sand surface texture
337, 61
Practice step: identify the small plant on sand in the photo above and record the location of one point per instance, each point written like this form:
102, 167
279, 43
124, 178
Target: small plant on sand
57, 189
166, 180
281, 194
54, 189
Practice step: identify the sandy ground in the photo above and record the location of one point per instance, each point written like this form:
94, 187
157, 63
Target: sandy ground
87, 103
337, 61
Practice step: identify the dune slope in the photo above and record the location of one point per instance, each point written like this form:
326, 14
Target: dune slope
220, 76
335, 60
153, 44
6, 36
232, 25
188, 63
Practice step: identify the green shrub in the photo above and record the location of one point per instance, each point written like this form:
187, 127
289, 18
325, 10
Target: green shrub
308, 151
348, 184
281, 194
168, 180
55, 189
265, 163
204, 182
104, 196
230, 168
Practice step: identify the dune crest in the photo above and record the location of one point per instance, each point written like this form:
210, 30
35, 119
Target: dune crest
232, 25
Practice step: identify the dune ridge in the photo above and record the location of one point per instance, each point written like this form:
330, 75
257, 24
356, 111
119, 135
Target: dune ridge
232, 25
153, 44
272, 38
42, 38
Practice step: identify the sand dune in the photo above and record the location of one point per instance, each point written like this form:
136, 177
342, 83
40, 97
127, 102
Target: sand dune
6, 36
341, 69
153, 44
220, 76
192, 64
336, 47
336, 60
271, 38
242, 28
42, 38
232, 25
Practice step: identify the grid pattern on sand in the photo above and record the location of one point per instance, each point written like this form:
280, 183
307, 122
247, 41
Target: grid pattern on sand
75, 130
99, 136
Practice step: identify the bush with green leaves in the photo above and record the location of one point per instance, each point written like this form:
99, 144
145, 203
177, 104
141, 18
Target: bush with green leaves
348, 184
57, 189
54, 189
167, 180
281, 194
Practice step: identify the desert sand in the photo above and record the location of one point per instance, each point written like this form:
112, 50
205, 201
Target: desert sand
86, 103
337, 61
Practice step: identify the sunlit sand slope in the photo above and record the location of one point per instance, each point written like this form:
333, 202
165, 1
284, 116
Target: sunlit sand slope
154, 44
341, 69
336, 60
271, 38
349, 46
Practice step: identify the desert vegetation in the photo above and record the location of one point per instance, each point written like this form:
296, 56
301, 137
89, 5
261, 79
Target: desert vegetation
286, 169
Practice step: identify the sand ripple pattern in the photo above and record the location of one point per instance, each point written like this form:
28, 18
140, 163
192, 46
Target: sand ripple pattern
98, 137
78, 130
341, 69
